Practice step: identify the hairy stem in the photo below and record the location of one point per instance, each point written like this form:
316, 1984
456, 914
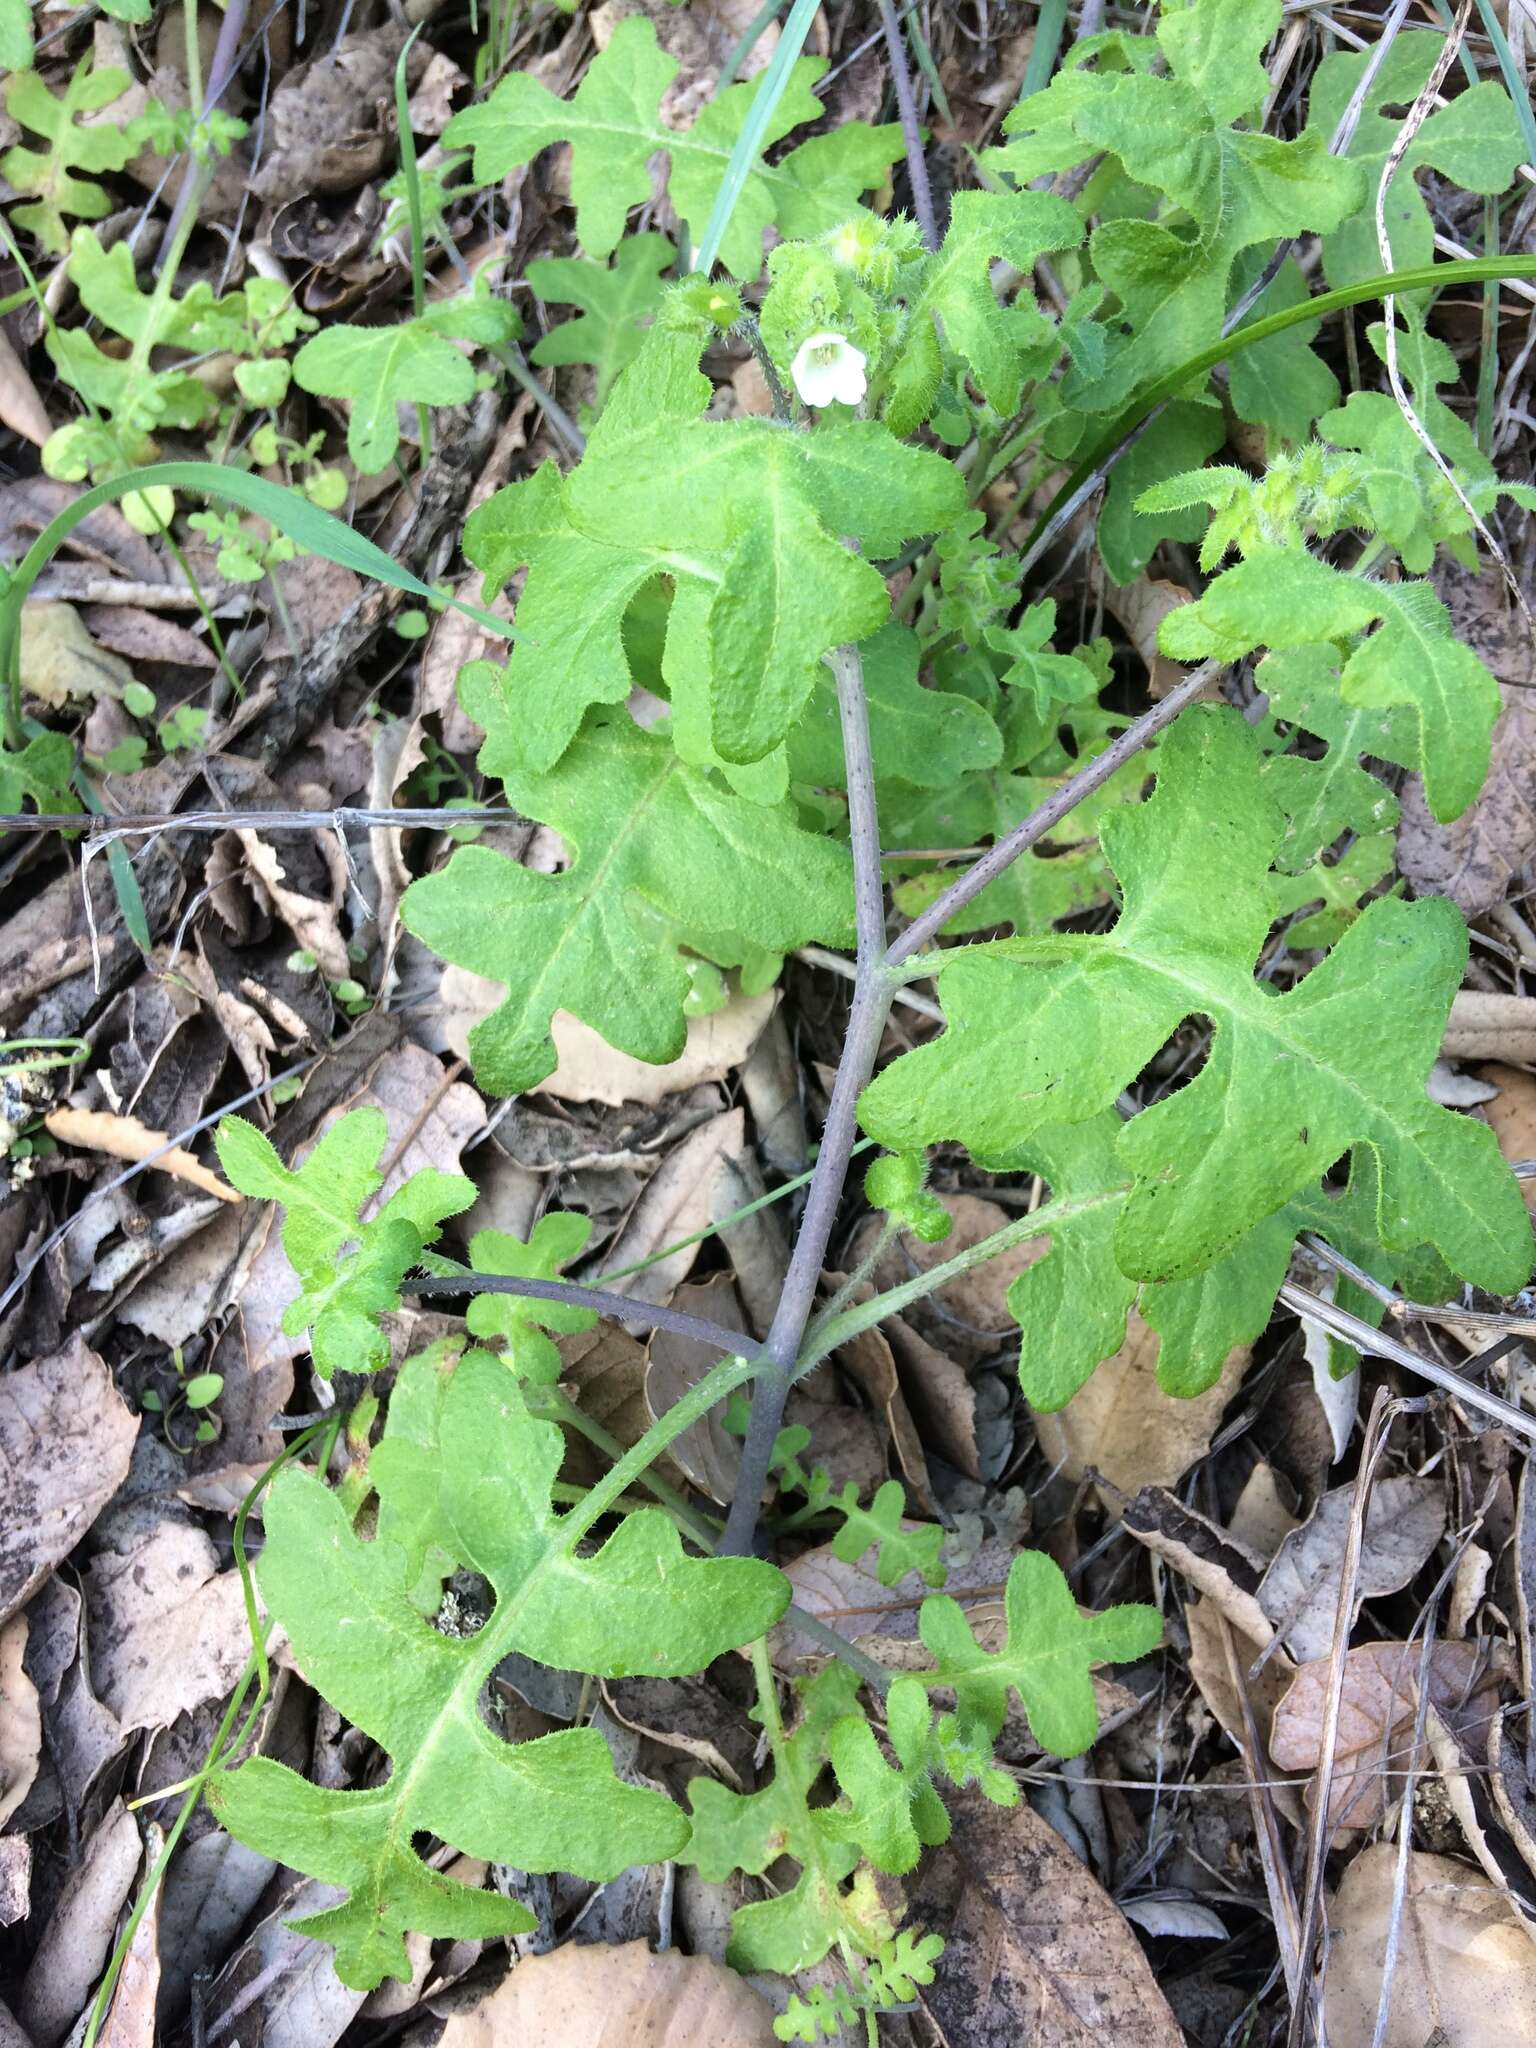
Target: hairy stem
906, 109
648, 1315
873, 992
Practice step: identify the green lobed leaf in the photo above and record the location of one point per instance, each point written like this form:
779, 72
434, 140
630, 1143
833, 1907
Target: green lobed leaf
637, 1604
49, 176
1071, 1305
1327, 795
15, 35
1283, 598
1338, 887
1052, 1029
414, 362
1047, 1656
612, 299
614, 128
41, 771
350, 1270
924, 737
1474, 141
645, 834
518, 1320
748, 519
952, 304
1174, 135
880, 1527
894, 1811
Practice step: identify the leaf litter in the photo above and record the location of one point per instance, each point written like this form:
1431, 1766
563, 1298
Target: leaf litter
125, 1620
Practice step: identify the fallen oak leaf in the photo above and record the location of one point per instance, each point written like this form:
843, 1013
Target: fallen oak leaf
124, 1137
1376, 1712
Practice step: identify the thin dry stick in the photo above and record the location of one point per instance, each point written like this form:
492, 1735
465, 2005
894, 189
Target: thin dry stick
1277, 1871
131, 824
1418, 113
1375, 1344
1349, 1578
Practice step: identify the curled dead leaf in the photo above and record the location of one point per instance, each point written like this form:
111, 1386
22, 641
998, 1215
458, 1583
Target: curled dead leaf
124, 1137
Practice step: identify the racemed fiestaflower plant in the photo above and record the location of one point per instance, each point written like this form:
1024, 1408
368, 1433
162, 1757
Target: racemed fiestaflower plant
786, 679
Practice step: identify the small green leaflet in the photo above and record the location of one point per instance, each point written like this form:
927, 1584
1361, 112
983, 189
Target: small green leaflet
613, 300
952, 296
414, 362
49, 176
879, 1527
894, 1811
1283, 598
518, 1320
748, 518
614, 128
1046, 1658
481, 1490
655, 847
749, 1831
344, 1290
887, 1813
1474, 141
1052, 1029
1182, 435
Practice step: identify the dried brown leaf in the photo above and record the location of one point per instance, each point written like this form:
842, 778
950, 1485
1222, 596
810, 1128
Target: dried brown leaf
1512, 1115
124, 1137
1485, 1025
1376, 1713
1404, 1521
1124, 1425
21, 1725
1463, 1976
66, 1438
79, 1932
60, 662
621, 1997
1036, 1951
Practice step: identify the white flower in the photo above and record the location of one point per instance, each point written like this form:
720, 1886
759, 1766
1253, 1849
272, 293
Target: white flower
829, 370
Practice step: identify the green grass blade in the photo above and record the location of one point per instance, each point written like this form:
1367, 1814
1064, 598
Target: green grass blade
1425, 277
775, 80
287, 510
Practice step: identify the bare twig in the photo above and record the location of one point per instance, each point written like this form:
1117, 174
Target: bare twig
131, 824
1376, 1344
1349, 1578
